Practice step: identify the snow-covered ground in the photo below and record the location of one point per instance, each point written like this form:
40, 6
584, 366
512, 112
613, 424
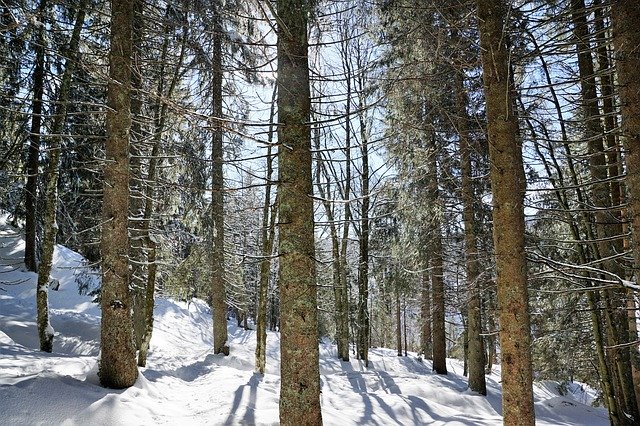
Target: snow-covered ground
184, 383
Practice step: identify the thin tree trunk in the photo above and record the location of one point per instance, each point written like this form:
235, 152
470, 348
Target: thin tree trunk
268, 234
364, 326
608, 227
300, 375
398, 324
218, 287
31, 196
148, 243
508, 186
45, 332
118, 354
425, 315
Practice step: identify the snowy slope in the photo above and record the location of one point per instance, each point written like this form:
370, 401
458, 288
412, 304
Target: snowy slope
185, 383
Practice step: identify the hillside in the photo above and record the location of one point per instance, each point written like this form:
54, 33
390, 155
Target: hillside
185, 383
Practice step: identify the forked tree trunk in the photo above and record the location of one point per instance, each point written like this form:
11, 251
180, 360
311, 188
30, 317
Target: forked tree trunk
508, 186
300, 375
118, 354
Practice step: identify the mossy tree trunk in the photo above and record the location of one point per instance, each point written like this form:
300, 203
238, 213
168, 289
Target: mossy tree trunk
118, 354
508, 186
300, 376
45, 332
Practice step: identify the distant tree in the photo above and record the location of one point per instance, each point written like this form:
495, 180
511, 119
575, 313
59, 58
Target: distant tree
118, 367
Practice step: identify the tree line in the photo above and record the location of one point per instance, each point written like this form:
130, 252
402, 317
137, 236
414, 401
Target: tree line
455, 178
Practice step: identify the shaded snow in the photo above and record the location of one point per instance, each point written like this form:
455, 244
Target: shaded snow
185, 383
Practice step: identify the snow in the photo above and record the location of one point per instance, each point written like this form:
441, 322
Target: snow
185, 383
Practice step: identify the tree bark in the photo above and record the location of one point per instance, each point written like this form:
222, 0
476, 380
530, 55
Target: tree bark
218, 287
439, 337
626, 39
508, 186
300, 376
118, 355
31, 196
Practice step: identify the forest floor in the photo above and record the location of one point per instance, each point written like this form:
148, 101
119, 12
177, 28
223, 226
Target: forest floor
184, 383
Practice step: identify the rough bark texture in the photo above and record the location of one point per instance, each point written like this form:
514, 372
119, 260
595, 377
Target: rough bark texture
398, 325
31, 197
508, 185
218, 288
118, 355
45, 331
626, 38
300, 376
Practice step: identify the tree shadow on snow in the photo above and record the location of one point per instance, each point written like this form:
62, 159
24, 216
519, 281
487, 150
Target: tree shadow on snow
248, 418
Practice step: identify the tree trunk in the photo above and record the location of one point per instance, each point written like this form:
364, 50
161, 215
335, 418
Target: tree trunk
608, 225
218, 288
364, 325
398, 324
626, 39
268, 234
425, 315
300, 375
475, 344
31, 196
45, 331
437, 278
118, 355
508, 185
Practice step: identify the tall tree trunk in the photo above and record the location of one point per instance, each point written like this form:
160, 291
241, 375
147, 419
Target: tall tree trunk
475, 350
364, 324
437, 276
118, 354
508, 186
31, 196
626, 39
300, 375
608, 226
218, 288
45, 332
398, 324
136, 186
268, 234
